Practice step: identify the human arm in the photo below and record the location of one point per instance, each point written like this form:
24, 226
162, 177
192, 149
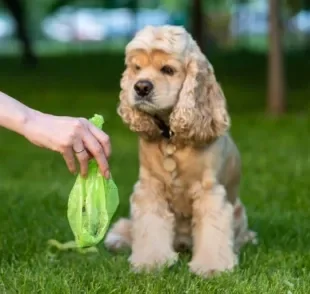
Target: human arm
66, 135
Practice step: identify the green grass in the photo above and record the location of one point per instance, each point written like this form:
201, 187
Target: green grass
34, 183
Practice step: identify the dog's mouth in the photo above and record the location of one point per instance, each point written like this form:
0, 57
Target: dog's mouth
151, 109
146, 106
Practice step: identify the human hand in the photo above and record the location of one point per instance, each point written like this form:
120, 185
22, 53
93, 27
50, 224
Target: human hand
70, 136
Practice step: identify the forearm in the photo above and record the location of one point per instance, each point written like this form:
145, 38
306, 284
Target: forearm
13, 114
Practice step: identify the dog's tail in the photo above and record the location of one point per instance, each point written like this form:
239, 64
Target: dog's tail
119, 236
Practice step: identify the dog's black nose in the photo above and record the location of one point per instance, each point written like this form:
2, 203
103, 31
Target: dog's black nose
143, 88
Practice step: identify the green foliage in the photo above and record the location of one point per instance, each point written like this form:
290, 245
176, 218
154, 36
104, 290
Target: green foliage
296, 5
174, 5
218, 5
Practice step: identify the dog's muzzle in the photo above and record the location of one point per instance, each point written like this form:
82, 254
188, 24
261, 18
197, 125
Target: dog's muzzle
143, 89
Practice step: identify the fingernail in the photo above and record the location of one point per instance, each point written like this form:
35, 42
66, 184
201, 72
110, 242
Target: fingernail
107, 174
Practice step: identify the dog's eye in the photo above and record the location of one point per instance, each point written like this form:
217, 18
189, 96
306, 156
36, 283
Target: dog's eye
137, 67
167, 70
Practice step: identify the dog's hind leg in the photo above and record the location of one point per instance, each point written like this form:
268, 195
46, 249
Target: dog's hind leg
242, 234
119, 236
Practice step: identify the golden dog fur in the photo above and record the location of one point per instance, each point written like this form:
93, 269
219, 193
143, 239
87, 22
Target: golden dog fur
194, 203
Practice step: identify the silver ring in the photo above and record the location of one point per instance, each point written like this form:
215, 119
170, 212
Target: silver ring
79, 151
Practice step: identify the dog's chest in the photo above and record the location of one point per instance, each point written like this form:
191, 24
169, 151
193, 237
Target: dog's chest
179, 198
181, 170
177, 169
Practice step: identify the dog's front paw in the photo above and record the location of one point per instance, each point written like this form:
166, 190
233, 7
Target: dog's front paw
152, 261
209, 268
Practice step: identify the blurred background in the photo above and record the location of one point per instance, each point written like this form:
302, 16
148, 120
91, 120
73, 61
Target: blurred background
66, 58
33, 30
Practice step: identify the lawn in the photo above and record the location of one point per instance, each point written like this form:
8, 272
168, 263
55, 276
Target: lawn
34, 183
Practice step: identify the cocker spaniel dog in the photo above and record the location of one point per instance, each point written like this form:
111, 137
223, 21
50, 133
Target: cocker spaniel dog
187, 194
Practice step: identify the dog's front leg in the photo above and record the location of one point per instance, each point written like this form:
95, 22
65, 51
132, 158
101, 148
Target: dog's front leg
152, 228
212, 231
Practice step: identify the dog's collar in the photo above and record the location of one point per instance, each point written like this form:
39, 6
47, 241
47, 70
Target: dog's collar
165, 130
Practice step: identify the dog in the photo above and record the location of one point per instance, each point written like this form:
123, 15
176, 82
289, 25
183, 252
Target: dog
187, 194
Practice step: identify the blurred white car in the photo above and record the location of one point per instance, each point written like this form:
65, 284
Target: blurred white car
300, 22
7, 26
69, 24
249, 18
252, 19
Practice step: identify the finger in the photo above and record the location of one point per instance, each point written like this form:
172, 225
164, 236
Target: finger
96, 149
83, 159
103, 138
90, 156
82, 156
70, 160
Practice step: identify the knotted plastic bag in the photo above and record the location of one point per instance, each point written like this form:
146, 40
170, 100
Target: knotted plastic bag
92, 203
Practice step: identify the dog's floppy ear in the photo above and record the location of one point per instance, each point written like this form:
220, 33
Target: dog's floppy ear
201, 114
137, 121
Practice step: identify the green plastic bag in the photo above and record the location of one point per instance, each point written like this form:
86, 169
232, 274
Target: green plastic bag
91, 205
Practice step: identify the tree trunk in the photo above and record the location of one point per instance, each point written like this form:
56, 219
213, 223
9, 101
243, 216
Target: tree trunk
276, 88
197, 22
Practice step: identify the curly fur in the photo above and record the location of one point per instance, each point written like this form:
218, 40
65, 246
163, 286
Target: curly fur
194, 205
200, 114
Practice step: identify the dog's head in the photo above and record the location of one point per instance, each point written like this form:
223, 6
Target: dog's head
168, 77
